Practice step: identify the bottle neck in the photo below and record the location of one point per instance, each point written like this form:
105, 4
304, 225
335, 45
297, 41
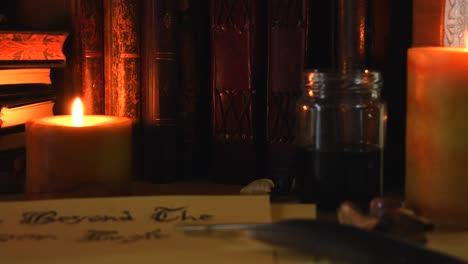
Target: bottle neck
321, 84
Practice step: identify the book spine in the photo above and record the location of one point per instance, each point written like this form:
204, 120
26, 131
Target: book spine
122, 58
160, 62
237, 45
287, 27
352, 22
194, 39
21, 91
161, 94
89, 24
428, 21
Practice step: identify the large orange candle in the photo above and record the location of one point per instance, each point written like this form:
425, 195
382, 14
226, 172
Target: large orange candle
437, 134
78, 155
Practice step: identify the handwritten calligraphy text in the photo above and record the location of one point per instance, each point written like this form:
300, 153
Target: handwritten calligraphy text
48, 217
168, 214
115, 236
26, 237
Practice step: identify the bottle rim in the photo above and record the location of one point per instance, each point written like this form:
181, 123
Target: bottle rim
360, 79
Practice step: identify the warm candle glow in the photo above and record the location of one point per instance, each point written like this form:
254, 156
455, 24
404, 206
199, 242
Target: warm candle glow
77, 112
311, 79
78, 155
436, 168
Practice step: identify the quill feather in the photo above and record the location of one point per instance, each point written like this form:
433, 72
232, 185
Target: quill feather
333, 241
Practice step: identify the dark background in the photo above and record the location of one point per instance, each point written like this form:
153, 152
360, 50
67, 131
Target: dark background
388, 35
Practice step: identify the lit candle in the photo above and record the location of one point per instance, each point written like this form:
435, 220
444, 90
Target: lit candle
78, 155
437, 134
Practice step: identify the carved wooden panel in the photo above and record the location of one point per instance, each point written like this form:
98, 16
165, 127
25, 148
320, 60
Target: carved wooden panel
455, 20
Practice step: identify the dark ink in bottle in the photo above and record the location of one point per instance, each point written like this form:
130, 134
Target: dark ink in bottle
328, 177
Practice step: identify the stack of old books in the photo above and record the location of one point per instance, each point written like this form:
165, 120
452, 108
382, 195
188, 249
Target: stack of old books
27, 91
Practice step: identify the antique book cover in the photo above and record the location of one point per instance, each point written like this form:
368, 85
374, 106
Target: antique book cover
89, 54
161, 89
28, 48
238, 70
259, 50
18, 112
287, 31
122, 58
58, 15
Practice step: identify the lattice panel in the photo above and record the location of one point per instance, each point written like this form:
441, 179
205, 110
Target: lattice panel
233, 13
233, 114
281, 117
286, 13
455, 23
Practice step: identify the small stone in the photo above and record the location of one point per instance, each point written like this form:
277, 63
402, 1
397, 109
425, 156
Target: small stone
349, 214
260, 186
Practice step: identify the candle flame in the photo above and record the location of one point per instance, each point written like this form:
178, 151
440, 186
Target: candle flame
311, 79
77, 112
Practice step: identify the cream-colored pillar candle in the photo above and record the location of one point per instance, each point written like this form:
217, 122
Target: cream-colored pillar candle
437, 134
67, 159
